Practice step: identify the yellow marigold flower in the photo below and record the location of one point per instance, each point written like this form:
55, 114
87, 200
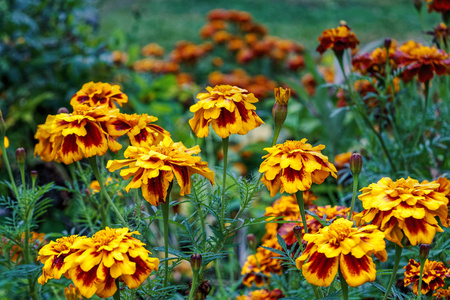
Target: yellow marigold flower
99, 94
72, 293
152, 49
258, 269
95, 185
338, 39
263, 294
434, 274
53, 255
228, 109
404, 207
154, 167
340, 245
6, 143
294, 166
109, 254
139, 129
442, 294
282, 95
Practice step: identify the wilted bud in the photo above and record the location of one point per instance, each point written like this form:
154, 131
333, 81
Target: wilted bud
72, 293
418, 5
196, 262
298, 233
424, 250
356, 163
34, 174
63, 110
387, 43
251, 240
280, 108
20, 155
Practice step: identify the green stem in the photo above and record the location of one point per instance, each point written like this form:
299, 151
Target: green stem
8, 168
317, 291
225, 162
80, 199
116, 295
165, 213
93, 163
194, 285
344, 285
424, 111
398, 255
219, 276
355, 188
276, 133
422, 265
301, 206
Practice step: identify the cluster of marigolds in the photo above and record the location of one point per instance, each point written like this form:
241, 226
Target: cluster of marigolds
402, 211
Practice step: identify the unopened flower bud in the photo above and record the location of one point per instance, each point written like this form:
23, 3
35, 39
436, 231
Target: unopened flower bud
298, 233
196, 262
34, 174
356, 163
280, 108
424, 250
387, 43
63, 110
20, 155
251, 240
418, 5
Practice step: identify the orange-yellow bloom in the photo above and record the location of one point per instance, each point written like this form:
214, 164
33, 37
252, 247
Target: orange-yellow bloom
263, 294
340, 245
99, 94
424, 61
6, 143
72, 293
442, 294
52, 256
294, 166
404, 207
154, 167
228, 109
434, 274
106, 256
338, 39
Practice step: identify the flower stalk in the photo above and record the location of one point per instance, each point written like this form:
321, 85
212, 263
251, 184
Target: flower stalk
116, 295
165, 214
301, 206
398, 255
225, 162
344, 285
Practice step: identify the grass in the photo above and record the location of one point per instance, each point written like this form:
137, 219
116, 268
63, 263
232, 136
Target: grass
168, 21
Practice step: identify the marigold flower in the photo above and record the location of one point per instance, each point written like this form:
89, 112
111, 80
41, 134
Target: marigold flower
434, 274
342, 159
119, 57
404, 207
340, 245
72, 293
95, 185
6, 143
338, 39
294, 166
258, 269
153, 168
152, 49
99, 94
374, 62
422, 60
441, 6
228, 109
263, 294
442, 294
109, 254
53, 255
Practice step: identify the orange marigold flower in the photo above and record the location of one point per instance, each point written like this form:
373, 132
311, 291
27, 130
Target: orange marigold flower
53, 255
340, 245
109, 254
258, 269
138, 128
342, 159
263, 294
95, 185
441, 6
404, 207
434, 274
228, 109
99, 94
154, 167
338, 39
152, 49
374, 62
442, 294
35, 241
422, 60
294, 166
119, 57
